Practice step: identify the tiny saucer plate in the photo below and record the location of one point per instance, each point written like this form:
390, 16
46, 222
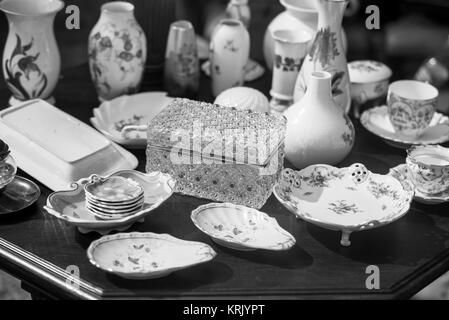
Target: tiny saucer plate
114, 116
343, 199
113, 190
139, 256
18, 195
376, 121
241, 228
400, 172
70, 205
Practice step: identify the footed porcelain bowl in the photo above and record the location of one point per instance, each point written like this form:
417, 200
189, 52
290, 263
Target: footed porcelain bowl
347, 199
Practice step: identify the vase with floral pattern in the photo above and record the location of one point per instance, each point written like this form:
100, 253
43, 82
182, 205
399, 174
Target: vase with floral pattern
318, 131
229, 54
117, 51
181, 71
327, 54
31, 61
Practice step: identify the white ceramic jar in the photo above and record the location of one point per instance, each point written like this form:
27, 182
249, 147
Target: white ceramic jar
318, 131
117, 51
229, 54
31, 61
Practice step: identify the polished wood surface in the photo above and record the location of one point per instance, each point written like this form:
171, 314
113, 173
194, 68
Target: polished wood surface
410, 253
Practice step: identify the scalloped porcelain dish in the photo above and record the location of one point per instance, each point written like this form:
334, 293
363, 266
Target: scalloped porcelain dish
140, 256
401, 173
70, 205
377, 121
114, 116
241, 228
347, 199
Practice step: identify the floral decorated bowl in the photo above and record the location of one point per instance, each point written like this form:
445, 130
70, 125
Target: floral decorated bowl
347, 199
146, 255
241, 228
369, 80
428, 168
70, 205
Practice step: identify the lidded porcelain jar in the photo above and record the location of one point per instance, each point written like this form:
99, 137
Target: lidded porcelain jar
318, 131
369, 80
8, 167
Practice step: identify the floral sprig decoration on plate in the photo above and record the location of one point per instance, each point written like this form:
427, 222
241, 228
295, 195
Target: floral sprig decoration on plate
4, 150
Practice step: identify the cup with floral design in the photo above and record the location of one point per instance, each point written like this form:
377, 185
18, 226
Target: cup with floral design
290, 50
428, 167
411, 106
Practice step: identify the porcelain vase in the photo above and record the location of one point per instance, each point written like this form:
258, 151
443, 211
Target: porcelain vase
229, 54
117, 51
327, 54
318, 131
31, 61
300, 15
290, 50
182, 71
239, 9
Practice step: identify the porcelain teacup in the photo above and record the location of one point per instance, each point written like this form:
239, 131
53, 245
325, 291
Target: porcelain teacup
411, 106
428, 168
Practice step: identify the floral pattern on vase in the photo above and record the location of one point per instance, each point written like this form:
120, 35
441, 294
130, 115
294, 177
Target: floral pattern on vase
117, 52
327, 54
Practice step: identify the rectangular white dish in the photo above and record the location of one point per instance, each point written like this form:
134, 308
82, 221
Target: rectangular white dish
56, 148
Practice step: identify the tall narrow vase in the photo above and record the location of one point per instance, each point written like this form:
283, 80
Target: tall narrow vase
318, 131
327, 54
31, 61
181, 72
117, 51
229, 54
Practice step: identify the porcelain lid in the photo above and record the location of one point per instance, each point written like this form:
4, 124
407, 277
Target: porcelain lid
364, 71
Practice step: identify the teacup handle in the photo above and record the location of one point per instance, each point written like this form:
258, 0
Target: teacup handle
128, 129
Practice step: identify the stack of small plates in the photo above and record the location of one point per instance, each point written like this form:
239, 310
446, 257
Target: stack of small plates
114, 197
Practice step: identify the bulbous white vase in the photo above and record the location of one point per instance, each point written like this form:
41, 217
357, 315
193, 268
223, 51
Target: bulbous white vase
318, 131
301, 16
117, 51
31, 61
229, 54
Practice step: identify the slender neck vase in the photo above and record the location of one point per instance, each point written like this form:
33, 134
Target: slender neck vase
31, 61
327, 53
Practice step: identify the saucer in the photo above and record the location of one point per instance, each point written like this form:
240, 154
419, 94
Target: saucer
400, 172
18, 195
376, 121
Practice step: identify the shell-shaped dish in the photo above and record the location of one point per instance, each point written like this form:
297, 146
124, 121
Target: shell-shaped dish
243, 98
70, 205
241, 228
347, 199
377, 121
111, 117
146, 255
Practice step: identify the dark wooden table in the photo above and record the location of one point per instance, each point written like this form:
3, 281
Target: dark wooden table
410, 253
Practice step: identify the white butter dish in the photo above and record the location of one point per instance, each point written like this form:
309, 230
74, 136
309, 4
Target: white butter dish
56, 148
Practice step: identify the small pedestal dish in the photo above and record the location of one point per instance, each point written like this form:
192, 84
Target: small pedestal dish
347, 199
70, 205
377, 121
143, 256
241, 228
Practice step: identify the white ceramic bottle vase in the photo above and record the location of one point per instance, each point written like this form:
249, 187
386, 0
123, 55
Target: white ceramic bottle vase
117, 51
229, 54
290, 49
327, 54
318, 131
31, 61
